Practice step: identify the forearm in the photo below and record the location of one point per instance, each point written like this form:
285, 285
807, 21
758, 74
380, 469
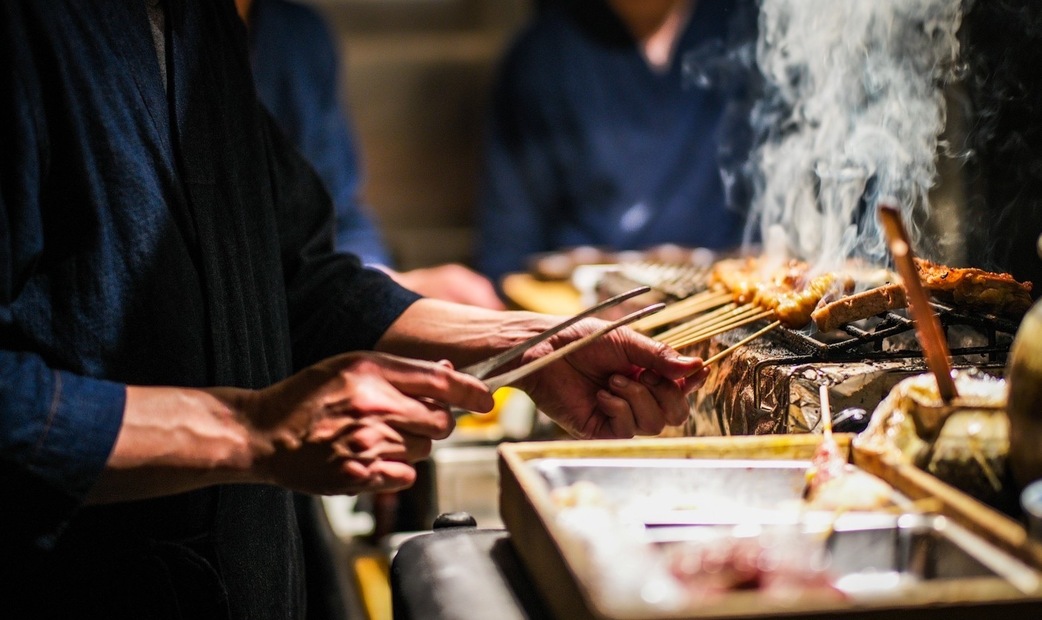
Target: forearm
174, 440
434, 329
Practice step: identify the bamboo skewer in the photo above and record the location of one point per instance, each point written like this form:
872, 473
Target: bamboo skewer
744, 341
726, 327
693, 305
703, 336
699, 326
701, 321
826, 417
683, 309
719, 326
697, 298
708, 302
720, 315
828, 460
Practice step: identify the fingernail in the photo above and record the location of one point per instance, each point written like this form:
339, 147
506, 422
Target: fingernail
686, 359
619, 381
650, 378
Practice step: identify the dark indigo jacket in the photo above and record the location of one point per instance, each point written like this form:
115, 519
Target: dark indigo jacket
151, 238
296, 67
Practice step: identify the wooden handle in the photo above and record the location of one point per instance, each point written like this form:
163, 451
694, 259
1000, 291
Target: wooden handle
927, 326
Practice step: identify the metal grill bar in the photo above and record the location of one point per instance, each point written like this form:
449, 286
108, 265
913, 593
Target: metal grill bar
867, 344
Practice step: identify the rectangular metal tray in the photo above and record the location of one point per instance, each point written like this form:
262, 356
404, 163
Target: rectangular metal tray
669, 491
867, 555
685, 491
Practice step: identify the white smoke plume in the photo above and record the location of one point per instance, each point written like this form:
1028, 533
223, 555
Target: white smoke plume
853, 113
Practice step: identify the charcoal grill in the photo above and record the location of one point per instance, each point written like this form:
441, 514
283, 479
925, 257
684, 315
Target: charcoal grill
770, 385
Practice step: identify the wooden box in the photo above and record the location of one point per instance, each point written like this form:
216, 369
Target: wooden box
562, 569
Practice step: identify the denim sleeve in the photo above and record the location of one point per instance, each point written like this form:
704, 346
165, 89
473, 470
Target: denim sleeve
335, 303
57, 430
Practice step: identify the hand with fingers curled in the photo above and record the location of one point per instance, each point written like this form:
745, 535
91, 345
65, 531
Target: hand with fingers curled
356, 422
622, 385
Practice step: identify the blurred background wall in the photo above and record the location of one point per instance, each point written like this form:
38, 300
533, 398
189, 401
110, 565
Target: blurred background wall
417, 74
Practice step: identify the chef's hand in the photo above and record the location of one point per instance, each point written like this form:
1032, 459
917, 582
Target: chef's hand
622, 385
355, 422
451, 282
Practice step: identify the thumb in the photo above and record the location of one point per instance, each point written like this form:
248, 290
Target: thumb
662, 358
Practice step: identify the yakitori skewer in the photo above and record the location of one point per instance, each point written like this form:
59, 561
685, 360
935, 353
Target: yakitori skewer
827, 462
721, 328
702, 320
683, 309
741, 343
715, 325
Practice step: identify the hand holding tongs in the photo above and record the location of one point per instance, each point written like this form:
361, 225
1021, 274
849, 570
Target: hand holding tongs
482, 369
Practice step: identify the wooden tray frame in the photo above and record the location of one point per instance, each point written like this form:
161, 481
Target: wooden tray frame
527, 513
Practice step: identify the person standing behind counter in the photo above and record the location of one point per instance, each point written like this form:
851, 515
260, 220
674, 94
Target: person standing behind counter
598, 138
297, 71
180, 345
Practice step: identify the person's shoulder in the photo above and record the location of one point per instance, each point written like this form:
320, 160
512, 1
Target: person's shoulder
553, 25
540, 46
300, 19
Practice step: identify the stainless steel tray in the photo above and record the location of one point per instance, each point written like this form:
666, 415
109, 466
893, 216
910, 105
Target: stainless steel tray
871, 555
692, 491
685, 501
675, 495
755, 483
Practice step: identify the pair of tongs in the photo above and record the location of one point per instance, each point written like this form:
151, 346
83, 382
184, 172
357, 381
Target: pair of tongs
484, 368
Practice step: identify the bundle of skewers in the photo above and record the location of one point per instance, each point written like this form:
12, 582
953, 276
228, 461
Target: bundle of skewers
743, 291
739, 295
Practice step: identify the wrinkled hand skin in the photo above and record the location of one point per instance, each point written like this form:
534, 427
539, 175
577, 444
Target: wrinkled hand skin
356, 422
622, 385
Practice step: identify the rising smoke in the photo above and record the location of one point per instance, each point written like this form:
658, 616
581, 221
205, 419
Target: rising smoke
852, 110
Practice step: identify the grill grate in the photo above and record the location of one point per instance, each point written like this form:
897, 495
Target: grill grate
851, 342
857, 343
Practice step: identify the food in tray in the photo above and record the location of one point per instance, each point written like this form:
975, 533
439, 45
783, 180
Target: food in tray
822, 551
774, 562
581, 493
835, 484
964, 443
853, 489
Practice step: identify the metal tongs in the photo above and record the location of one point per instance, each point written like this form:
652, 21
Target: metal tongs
484, 368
